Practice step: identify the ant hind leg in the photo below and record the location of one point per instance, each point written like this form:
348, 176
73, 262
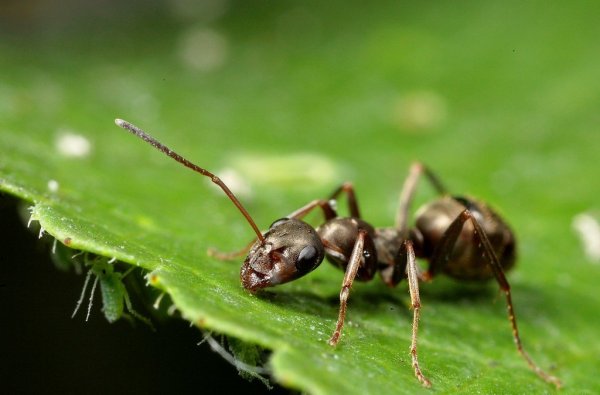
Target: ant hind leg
441, 256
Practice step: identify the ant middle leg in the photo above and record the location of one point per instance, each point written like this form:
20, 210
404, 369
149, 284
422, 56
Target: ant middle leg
348, 188
406, 256
408, 190
405, 265
441, 256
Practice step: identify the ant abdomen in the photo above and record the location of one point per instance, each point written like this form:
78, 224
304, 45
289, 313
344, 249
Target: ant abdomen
467, 260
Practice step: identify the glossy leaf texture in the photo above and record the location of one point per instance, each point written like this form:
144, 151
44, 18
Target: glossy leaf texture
501, 101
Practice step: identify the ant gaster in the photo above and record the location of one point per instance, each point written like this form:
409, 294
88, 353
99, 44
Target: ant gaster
458, 236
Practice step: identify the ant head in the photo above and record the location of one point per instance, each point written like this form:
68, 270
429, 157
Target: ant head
291, 248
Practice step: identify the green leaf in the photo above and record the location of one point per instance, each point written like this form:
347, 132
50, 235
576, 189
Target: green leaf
501, 102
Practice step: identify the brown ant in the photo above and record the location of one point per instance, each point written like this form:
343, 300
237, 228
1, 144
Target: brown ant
458, 236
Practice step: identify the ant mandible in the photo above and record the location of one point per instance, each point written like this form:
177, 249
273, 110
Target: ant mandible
458, 236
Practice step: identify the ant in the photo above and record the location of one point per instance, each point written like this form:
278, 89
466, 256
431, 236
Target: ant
458, 236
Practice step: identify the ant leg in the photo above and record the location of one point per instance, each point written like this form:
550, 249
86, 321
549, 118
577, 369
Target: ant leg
405, 264
348, 188
407, 256
408, 191
351, 270
328, 210
227, 256
441, 255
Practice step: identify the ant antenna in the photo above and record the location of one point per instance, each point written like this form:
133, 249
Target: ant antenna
167, 151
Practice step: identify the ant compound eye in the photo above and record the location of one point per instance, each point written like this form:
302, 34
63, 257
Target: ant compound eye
278, 222
307, 259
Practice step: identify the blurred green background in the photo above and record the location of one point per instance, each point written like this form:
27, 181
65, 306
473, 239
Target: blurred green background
501, 99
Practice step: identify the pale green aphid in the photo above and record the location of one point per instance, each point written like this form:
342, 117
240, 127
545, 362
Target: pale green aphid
114, 294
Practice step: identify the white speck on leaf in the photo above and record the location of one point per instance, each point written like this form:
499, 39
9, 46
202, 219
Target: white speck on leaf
53, 186
203, 49
588, 229
73, 145
419, 111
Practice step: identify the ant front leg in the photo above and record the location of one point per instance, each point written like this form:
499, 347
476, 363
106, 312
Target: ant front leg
441, 256
408, 191
351, 270
228, 256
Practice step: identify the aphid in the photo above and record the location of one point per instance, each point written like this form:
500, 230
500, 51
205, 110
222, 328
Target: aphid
115, 297
458, 236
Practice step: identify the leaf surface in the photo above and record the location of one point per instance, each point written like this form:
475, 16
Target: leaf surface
502, 103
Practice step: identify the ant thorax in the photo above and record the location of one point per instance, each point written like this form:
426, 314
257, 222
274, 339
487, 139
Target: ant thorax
339, 235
